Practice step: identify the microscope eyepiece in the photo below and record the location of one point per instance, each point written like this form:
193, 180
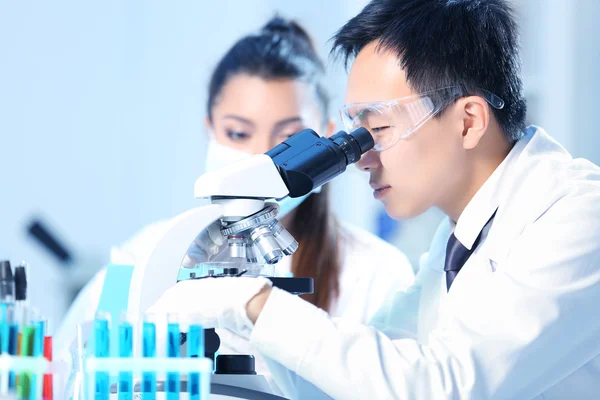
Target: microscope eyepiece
353, 145
307, 160
364, 139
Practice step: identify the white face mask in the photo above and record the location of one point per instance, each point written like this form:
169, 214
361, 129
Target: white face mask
219, 156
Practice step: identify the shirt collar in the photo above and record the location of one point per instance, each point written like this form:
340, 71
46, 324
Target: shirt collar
487, 199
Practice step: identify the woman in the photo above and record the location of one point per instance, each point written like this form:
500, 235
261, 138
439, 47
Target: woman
267, 87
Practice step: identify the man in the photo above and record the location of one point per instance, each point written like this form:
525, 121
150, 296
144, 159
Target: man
505, 304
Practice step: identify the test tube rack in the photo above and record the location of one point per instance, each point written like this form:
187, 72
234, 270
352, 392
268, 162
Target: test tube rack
161, 366
35, 367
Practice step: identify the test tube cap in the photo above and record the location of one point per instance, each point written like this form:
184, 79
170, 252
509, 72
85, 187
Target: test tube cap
5, 270
7, 282
20, 283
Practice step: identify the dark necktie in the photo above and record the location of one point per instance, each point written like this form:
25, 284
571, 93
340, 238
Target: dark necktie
457, 255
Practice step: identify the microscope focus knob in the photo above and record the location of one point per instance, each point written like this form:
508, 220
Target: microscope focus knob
235, 364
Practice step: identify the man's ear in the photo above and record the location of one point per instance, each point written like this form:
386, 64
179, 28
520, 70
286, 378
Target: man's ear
476, 118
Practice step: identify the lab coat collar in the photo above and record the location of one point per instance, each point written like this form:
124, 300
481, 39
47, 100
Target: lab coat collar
486, 201
513, 213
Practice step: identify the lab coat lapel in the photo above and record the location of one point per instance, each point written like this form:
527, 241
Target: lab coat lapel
516, 207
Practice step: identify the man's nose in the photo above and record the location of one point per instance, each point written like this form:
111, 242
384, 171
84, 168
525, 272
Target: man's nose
369, 161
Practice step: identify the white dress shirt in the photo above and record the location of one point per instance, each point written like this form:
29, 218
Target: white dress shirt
519, 322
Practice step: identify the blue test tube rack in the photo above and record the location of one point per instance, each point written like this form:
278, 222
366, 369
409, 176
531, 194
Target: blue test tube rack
140, 367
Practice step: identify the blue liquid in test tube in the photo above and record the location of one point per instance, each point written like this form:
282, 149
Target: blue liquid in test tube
4, 341
195, 346
101, 343
13, 345
149, 350
126, 351
173, 351
9, 338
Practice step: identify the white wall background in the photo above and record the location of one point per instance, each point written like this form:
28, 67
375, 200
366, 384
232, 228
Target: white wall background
102, 107
561, 55
101, 118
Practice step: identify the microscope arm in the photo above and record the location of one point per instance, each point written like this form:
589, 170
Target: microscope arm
152, 276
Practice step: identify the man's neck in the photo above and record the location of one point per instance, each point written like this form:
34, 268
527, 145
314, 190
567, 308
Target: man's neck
486, 157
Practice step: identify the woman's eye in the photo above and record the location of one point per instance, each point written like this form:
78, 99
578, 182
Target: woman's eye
237, 135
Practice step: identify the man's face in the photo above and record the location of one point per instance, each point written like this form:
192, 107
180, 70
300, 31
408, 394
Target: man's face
418, 172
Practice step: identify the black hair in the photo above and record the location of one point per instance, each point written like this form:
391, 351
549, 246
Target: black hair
442, 43
280, 50
283, 50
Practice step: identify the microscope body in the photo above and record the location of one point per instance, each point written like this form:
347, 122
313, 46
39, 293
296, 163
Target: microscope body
239, 195
254, 239
240, 206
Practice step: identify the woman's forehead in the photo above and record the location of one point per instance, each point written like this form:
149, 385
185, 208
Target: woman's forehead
257, 99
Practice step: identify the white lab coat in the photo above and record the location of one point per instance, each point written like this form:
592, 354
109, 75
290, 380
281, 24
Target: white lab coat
371, 270
519, 322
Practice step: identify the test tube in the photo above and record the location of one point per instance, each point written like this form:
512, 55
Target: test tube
173, 351
13, 338
101, 350
27, 349
4, 341
48, 389
21, 307
38, 351
195, 348
40, 325
126, 351
149, 350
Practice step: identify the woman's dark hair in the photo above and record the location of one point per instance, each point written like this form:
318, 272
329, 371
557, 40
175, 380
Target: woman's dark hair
280, 50
283, 50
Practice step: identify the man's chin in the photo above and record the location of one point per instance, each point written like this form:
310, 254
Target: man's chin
399, 211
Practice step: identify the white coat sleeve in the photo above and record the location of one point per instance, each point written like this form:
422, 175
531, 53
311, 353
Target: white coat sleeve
522, 329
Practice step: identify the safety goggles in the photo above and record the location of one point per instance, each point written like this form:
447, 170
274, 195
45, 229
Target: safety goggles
394, 120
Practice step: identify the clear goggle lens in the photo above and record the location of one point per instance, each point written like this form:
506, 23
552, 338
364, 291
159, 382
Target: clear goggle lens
392, 121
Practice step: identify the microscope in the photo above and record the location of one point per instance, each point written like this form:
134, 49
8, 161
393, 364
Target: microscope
240, 206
